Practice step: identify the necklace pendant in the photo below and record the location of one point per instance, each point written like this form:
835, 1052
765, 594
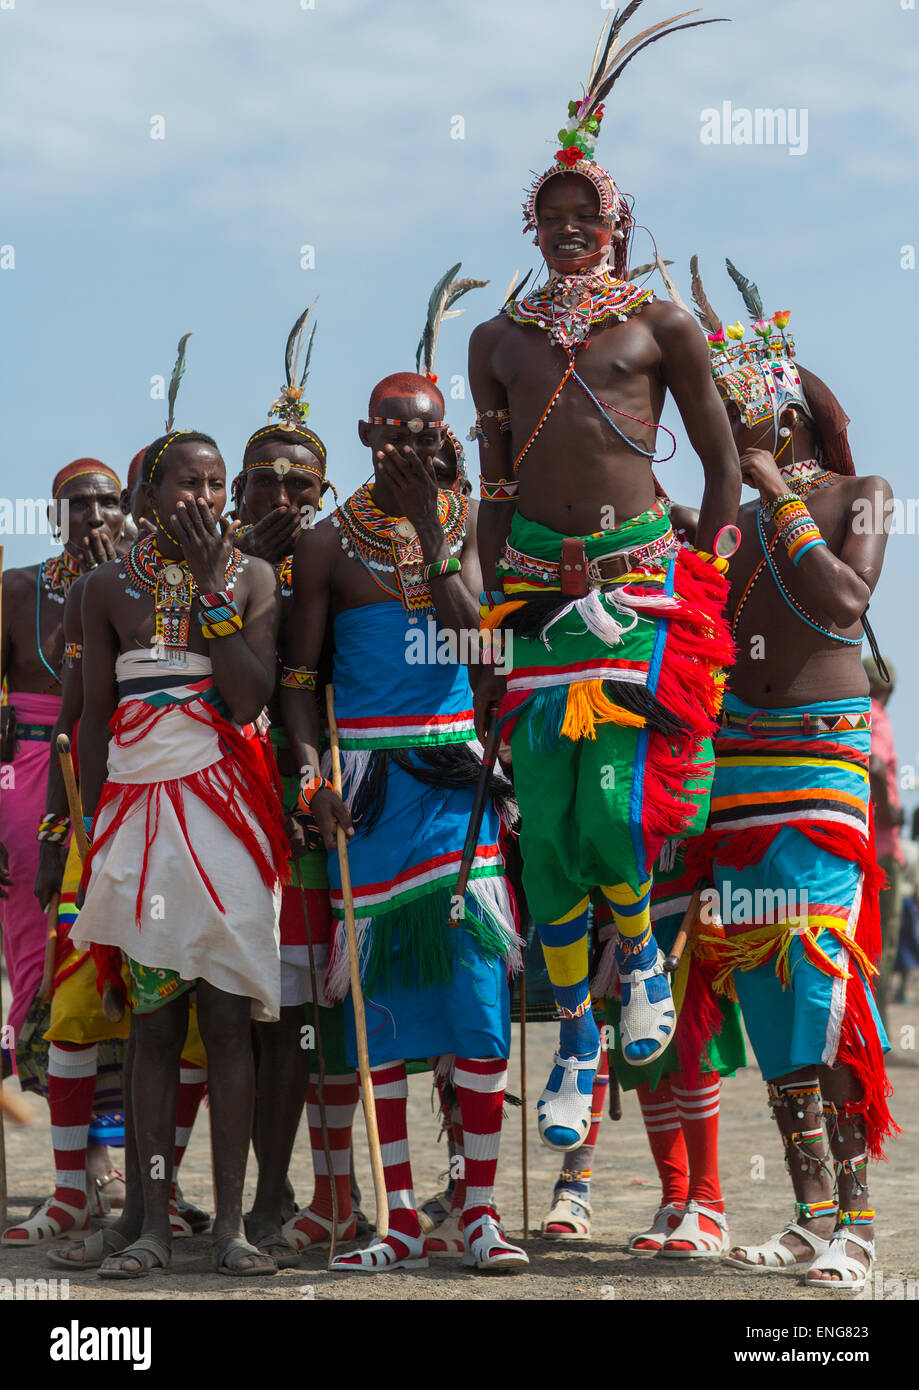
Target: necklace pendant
405, 529
174, 575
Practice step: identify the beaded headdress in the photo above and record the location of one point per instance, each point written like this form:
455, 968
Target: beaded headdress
440, 306
290, 408
758, 373
578, 138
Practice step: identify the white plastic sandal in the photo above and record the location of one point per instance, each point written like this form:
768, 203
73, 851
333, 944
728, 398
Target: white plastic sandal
567, 1108
705, 1246
41, 1227
379, 1256
777, 1258
569, 1210
301, 1239
660, 1231
642, 1020
488, 1250
853, 1275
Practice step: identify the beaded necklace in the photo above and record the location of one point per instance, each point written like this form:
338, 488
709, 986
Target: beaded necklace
56, 575
173, 590
391, 545
568, 306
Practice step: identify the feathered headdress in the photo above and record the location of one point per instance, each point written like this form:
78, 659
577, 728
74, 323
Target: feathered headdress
178, 372
440, 307
290, 408
578, 138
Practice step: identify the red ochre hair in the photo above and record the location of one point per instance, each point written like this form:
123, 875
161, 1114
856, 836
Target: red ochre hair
830, 421
405, 385
79, 466
134, 468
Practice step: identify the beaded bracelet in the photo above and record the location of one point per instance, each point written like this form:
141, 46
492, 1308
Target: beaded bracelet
225, 627
856, 1218
440, 569
88, 826
501, 416
73, 651
53, 828
309, 790
216, 600
298, 678
504, 490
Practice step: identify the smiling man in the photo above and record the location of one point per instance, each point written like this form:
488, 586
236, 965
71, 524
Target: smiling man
188, 850
608, 711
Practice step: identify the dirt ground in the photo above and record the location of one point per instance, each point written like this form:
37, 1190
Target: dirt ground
625, 1196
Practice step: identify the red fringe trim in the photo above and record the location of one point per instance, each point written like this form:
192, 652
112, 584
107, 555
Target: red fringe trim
859, 1046
246, 780
698, 647
700, 1020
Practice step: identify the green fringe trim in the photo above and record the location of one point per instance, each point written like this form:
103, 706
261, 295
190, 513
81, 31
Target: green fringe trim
422, 944
545, 717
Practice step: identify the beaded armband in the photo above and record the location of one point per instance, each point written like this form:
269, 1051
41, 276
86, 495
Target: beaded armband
718, 561
502, 417
796, 528
298, 678
309, 790
440, 569
53, 828
73, 651
503, 490
219, 615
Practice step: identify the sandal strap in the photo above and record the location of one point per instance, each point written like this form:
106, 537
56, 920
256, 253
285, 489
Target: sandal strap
718, 1217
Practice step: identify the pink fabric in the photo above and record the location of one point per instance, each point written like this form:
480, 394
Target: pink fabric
22, 804
887, 837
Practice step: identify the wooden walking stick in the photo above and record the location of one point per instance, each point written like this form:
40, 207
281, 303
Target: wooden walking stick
671, 964
357, 993
47, 974
320, 1051
112, 1002
489, 758
525, 1177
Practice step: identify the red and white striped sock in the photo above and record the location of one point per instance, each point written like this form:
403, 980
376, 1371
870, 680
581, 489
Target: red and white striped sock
390, 1092
71, 1090
341, 1094
668, 1147
453, 1126
480, 1083
192, 1085
698, 1111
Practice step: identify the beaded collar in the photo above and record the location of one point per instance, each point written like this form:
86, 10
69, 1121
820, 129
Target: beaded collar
390, 544
57, 574
568, 306
802, 479
173, 589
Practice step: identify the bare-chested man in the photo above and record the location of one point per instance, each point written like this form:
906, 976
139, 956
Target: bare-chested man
395, 573
85, 499
617, 635
188, 844
790, 833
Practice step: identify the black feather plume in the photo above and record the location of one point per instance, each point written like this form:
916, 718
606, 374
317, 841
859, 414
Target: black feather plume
294, 339
178, 372
309, 353
606, 87
515, 290
748, 290
704, 311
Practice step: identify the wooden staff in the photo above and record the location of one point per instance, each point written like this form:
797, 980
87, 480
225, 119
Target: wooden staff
112, 1002
3, 1198
320, 1051
47, 974
525, 1177
489, 758
672, 962
357, 993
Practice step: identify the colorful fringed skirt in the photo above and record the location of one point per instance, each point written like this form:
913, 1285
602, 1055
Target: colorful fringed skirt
611, 702
434, 971
189, 851
794, 918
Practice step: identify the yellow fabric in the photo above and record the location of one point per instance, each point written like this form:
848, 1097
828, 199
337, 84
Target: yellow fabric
193, 1052
587, 706
759, 945
76, 1010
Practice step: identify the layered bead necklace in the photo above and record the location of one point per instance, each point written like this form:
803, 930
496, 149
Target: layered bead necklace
57, 574
390, 545
173, 590
568, 306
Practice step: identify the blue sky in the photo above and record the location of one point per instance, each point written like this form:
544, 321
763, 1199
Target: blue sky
330, 127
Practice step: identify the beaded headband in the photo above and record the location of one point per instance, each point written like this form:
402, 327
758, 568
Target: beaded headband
416, 426
758, 374
578, 138
82, 468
